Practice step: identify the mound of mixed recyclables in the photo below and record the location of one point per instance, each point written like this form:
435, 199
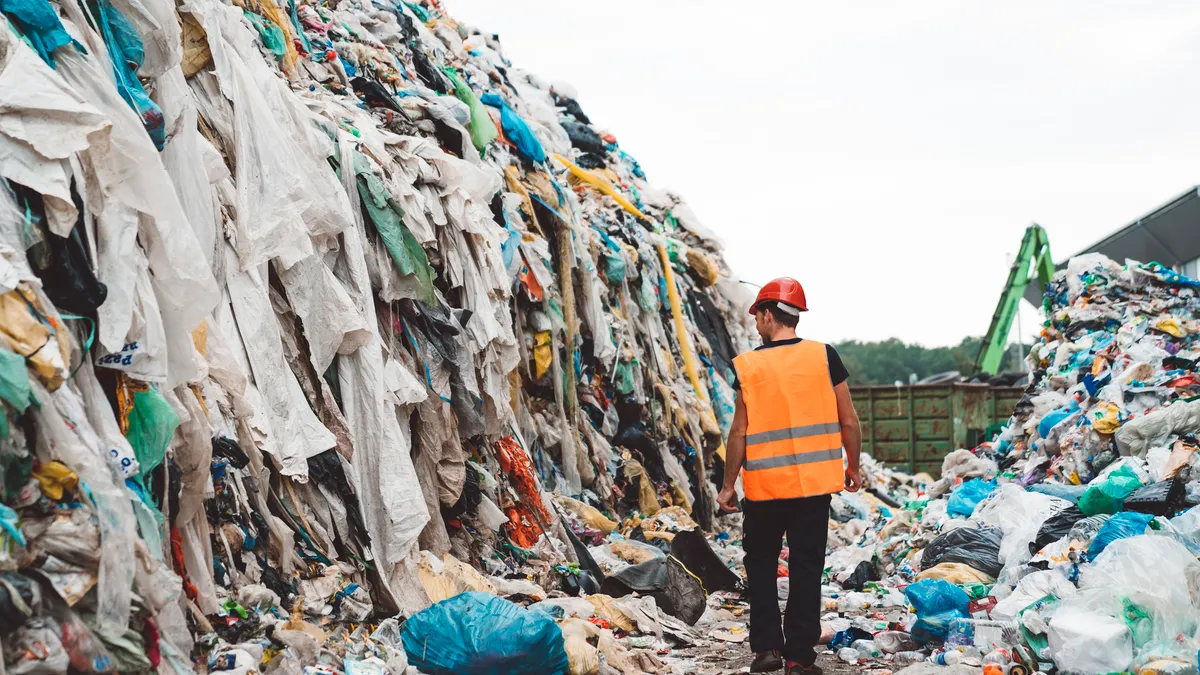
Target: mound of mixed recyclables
1069, 543
318, 313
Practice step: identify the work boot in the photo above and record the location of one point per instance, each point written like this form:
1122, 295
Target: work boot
766, 662
794, 668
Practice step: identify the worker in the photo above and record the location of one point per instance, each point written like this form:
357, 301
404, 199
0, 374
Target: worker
792, 421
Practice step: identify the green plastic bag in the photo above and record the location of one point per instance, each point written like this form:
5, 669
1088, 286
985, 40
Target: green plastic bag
388, 218
152, 422
1108, 495
483, 129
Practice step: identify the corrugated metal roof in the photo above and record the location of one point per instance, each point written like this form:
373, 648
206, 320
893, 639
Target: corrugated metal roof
1169, 234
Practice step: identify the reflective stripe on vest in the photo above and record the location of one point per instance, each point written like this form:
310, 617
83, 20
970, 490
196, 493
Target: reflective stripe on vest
793, 438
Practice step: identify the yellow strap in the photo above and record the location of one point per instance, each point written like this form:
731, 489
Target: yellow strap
685, 343
600, 184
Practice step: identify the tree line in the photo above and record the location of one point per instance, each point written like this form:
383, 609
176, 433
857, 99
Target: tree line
886, 361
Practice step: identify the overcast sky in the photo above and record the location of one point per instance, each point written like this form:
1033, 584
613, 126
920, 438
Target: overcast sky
889, 155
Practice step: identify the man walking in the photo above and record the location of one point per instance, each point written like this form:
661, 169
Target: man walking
792, 422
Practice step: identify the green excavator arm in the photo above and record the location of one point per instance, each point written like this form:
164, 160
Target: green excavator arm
1033, 262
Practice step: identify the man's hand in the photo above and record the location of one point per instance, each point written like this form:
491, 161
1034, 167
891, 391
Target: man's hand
727, 500
853, 478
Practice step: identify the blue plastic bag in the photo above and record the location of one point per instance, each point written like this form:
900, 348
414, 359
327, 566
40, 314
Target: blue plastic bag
517, 130
482, 634
938, 602
968, 496
1054, 417
1120, 526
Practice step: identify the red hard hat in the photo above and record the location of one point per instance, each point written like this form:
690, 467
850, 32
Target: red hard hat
785, 290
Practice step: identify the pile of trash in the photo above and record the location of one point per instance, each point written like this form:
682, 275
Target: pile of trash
1070, 542
316, 314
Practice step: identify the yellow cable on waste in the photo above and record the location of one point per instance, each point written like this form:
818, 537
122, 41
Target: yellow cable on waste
685, 344
602, 185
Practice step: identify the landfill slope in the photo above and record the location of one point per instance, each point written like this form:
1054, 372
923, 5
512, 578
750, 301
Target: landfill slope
309, 310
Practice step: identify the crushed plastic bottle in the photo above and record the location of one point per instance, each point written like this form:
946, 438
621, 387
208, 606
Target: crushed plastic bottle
894, 641
982, 633
855, 601
848, 655
907, 658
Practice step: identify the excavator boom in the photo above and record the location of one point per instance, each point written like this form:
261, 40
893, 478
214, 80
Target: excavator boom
1033, 262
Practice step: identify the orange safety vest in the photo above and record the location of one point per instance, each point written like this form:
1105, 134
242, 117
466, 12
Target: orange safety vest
793, 438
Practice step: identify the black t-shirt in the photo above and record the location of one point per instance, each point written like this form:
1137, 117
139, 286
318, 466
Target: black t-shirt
837, 370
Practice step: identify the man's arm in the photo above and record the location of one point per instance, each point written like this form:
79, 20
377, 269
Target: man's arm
735, 456
851, 436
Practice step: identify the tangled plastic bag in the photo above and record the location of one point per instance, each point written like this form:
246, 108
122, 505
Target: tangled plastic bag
1157, 575
1107, 496
937, 602
482, 634
968, 496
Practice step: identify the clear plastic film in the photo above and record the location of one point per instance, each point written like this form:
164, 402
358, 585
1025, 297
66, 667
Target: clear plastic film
66, 435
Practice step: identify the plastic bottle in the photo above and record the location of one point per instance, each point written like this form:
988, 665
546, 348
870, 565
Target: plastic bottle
855, 601
867, 649
948, 658
907, 658
848, 655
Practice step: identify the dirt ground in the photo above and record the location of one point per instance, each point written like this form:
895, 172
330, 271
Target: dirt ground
713, 656
727, 659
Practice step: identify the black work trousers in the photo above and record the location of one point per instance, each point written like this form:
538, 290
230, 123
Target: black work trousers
805, 521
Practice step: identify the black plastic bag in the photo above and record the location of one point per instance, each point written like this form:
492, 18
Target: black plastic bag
693, 551
676, 590
572, 107
62, 263
584, 138
589, 160
978, 547
20, 598
1056, 527
865, 572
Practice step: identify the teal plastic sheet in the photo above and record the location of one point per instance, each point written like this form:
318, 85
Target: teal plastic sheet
127, 53
270, 33
37, 21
